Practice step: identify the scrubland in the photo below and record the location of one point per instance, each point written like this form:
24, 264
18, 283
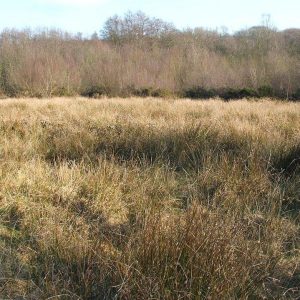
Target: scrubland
161, 61
149, 199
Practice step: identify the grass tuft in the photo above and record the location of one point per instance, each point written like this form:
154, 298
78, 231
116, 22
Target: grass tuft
145, 198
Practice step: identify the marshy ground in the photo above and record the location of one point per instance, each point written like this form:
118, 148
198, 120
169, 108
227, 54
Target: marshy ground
149, 199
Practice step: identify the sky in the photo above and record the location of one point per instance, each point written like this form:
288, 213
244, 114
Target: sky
88, 16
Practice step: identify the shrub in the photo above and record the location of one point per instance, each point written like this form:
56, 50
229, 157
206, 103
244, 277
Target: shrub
95, 91
6, 86
296, 95
225, 93
62, 92
248, 93
128, 91
12, 91
151, 92
199, 93
163, 93
265, 91
228, 93
144, 92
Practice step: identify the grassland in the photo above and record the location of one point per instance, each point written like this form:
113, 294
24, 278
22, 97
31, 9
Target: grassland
149, 199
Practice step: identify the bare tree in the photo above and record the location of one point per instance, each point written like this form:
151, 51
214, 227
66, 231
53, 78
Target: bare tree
135, 26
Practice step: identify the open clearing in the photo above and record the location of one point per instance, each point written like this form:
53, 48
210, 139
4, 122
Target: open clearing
149, 199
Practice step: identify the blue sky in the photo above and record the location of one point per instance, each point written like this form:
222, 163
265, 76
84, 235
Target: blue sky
88, 16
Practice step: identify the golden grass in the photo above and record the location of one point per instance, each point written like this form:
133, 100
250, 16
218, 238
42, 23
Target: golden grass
149, 199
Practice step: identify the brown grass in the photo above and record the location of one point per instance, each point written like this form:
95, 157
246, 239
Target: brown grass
149, 199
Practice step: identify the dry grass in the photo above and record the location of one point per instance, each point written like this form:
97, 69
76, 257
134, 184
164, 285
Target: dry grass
149, 199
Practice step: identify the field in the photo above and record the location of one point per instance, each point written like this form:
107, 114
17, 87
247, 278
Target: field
149, 199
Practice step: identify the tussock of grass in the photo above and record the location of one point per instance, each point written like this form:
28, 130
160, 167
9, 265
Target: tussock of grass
149, 199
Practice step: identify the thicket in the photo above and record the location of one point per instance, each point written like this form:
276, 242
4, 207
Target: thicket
138, 55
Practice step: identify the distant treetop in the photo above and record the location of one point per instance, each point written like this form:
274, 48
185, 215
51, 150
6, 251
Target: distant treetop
135, 26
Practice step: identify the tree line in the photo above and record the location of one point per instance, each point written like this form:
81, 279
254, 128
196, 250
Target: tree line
143, 56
